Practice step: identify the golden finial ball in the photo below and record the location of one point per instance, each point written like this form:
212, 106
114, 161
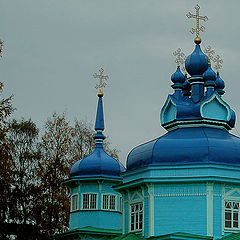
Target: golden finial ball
197, 40
100, 94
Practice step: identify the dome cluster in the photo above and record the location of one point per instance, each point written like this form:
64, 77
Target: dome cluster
197, 118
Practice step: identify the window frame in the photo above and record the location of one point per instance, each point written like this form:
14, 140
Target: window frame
89, 201
109, 195
137, 213
121, 204
232, 211
77, 201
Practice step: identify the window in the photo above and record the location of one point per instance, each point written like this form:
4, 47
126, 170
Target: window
74, 202
136, 220
232, 212
89, 201
109, 202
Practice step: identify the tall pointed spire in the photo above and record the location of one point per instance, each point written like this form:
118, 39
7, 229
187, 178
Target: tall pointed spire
99, 124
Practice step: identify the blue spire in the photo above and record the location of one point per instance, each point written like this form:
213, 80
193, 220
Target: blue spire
99, 124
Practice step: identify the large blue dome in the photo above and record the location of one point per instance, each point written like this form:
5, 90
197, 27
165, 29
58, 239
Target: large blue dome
194, 145
97, 164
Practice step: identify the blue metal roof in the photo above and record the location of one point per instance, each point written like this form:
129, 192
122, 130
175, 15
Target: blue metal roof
193, 145
98, 163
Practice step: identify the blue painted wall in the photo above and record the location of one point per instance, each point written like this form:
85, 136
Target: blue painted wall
95, 218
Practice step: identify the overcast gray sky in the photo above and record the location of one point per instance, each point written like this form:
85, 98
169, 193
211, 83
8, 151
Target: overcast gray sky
53, 47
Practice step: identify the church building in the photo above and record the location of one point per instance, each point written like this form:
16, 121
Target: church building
182, 185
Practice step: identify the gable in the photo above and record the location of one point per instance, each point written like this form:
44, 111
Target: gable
215, 108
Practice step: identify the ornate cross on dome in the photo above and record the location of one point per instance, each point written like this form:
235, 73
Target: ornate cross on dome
197, 17
180, 58
101, 78
209, 52
218, 62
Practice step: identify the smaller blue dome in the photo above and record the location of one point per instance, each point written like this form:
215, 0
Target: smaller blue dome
97, 164
178, 76
196, 63
219, 82
209, 74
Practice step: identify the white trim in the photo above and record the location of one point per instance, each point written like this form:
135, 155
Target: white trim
165, 106
180, 194
77, 208
209, 198
109, 201
227, 196
90, 193
151, 209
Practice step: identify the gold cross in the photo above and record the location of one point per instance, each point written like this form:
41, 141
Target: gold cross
209, 52
197, 17
180, 58
218, 62
101, 78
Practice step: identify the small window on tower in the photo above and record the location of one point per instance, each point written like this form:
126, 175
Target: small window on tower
89, 201
108, 202
232, 215
74, 202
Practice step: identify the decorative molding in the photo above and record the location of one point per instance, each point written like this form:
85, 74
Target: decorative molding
169, 102
209, 198
150, 188
219, 99
180, 194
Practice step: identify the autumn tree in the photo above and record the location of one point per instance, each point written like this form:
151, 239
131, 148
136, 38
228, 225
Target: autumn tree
6, 110
56, 147
61, 146
25, 155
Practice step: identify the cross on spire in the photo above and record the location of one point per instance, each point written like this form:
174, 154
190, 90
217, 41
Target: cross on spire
180, 58
197, 17
101, 78
218, 62
209, 52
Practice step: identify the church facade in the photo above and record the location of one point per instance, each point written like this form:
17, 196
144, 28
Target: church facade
182, 185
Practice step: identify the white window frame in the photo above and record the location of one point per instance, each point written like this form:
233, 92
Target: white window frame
136, 216
89, 200
232, 211
108, 195
121, 204
77, 207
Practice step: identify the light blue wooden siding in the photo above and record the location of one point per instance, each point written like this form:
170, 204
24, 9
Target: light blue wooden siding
180, 214
146, 217
126, 216
98, 219
180, 208
217, 217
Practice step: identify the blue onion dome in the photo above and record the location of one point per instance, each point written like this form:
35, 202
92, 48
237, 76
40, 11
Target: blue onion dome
178, 76
189, 145
196, 63
98, 163
209, 74
220, 85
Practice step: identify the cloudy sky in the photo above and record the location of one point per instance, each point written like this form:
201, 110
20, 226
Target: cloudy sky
53, 47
